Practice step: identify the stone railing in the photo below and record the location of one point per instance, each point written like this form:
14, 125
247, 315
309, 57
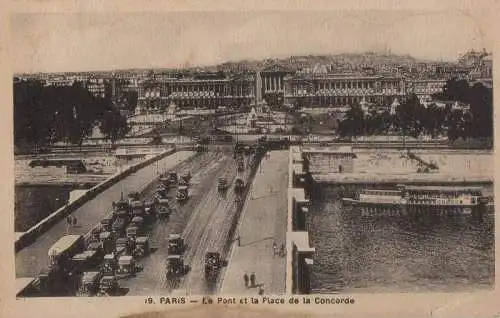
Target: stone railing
28, 237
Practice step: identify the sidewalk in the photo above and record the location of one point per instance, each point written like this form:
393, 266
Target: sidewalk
263, 221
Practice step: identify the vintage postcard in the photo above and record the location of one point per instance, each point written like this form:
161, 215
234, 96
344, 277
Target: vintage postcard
199, 160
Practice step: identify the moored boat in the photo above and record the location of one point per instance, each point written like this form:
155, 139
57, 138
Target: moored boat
408, 199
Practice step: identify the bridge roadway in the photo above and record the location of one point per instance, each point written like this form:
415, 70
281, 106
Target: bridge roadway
204, 221
32, 259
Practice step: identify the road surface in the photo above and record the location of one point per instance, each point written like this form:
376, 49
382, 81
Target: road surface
204, 221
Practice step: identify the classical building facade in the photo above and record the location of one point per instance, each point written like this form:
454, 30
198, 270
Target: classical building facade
325, 90
424, 88
197, 92
272, 84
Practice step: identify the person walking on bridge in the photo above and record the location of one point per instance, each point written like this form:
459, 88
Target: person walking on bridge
252, 280
261, 290
245, 278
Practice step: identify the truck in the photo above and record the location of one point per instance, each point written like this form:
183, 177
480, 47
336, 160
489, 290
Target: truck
63, 250
213, 265
60, 268
85, 261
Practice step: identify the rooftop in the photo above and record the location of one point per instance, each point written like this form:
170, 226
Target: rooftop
443, 188
333, 150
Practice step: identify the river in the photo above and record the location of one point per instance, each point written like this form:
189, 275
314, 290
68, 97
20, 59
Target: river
399, 254
33, 203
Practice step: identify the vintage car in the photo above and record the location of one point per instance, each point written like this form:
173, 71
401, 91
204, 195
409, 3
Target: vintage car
175, 244
121, 205
108, 286
133, 196
96, 246
132, 231
182, 193
109, 264
107, 222
213, 265
239, 185
125, 246
137, 221
241, 166
119, 226
89, 284
172, 177
126, 266
222, 185
107, 240
95, 232
186, 177
175, 266
121, 214
142, 247
85, 261
161, 191
150, 208
138, 208
163, 212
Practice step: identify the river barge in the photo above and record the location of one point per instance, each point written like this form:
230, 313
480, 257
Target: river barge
419, 199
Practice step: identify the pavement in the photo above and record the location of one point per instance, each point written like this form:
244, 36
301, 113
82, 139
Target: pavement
33, 258
263, 221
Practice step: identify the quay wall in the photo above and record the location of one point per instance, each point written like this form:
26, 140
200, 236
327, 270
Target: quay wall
299, 253
38, 229
347, 165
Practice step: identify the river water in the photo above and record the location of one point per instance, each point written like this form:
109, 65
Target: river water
398, 254
33, 203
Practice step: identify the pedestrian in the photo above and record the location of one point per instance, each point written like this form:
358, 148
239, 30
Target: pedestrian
239, 242
245, 278
261, 290
252, 280
282, 249
69, 220
275, 248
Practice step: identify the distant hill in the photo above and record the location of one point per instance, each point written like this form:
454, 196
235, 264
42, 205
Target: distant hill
344, 61
336, 62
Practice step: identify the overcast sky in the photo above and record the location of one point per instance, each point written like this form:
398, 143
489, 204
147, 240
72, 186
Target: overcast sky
100, 41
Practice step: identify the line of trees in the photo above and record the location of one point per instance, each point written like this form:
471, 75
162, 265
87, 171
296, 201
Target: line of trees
411, 118
47, 114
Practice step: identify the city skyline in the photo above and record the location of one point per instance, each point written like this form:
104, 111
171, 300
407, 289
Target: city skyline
43, 43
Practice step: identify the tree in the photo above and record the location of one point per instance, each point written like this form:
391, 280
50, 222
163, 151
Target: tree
43, 115
47, 114
409, 117
353, 124
480, 99
114, 125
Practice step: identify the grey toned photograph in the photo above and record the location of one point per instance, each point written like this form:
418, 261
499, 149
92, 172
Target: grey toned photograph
252, 153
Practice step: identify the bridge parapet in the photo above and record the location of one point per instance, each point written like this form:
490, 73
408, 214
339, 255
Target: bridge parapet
299, 251
38, 229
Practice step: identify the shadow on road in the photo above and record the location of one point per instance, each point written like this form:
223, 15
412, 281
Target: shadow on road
257, 241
